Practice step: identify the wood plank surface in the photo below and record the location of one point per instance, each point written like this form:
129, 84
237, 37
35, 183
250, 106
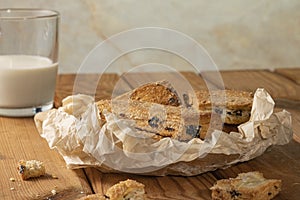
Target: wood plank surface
100, 86
278, 86
20, 140
292, 74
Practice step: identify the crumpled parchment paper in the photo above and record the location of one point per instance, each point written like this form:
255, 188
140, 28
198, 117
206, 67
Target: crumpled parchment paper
74, 131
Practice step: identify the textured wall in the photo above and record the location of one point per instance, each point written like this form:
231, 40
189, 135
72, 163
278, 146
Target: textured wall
237, 34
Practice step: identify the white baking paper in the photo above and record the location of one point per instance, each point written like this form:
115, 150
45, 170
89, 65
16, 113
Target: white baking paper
74, 131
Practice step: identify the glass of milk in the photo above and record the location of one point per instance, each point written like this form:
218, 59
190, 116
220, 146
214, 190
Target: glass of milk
28, 60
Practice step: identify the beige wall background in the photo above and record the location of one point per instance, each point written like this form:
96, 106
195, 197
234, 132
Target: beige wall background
250, 34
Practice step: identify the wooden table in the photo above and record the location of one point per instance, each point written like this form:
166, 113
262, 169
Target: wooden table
20, 140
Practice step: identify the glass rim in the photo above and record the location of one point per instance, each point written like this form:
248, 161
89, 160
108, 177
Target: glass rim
33, 13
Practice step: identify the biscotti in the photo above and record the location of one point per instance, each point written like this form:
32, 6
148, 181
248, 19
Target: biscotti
157, 108
234, 106
31, 169
161, 92
166, 121
124, 190
250, 186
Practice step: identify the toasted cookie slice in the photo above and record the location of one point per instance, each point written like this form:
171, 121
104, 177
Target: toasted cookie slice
166, 121
31, 169
234, 105
251, 186
161, 92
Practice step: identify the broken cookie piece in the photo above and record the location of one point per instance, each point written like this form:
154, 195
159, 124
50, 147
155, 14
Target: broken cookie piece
124, 190
161, 120
129, 189
251, 186
31, 169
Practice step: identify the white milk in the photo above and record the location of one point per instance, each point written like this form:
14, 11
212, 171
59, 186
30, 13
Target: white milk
26, 81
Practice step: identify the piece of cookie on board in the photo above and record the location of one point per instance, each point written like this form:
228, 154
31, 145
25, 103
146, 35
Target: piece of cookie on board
31, 169
251, 186
124, 190
234, 105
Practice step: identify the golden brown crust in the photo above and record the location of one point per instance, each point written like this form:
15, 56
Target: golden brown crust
159, 92
129, 189
251, 185
156, 108
163, 93
234, 105
232, 99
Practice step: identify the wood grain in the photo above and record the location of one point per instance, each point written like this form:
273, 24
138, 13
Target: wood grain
167, 187
20, 140
292, 74
278, 86
273, 164
96, 85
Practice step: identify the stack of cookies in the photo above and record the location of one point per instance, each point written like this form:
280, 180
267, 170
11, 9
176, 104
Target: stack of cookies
158, 109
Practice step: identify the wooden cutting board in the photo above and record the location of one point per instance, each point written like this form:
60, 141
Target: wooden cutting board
20, 140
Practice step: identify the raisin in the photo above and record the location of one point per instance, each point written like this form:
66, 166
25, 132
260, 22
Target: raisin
172, 101
219, 111
153, 122
21, 169
186, 100
169, 129
193, 130
234, 193
122, 115
269, 193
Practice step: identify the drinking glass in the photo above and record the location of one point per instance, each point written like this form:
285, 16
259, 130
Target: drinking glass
28, 60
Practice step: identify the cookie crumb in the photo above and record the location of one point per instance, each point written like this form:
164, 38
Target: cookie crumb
12, 188
54, 176
53, 192
12, 179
